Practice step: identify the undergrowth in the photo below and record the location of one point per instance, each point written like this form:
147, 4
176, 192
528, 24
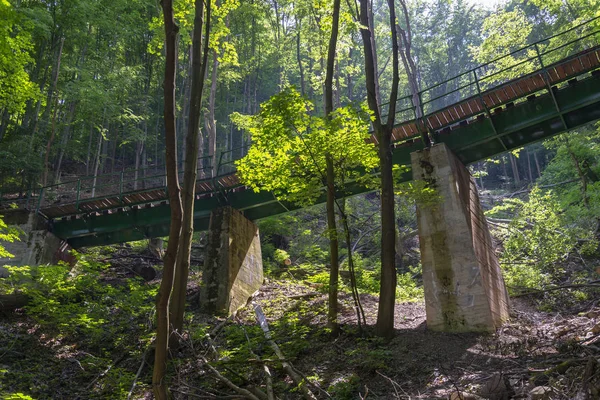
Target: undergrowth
81, 314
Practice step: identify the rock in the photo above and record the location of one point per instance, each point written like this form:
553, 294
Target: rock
456, 395
540, 393
497, 388
592, 314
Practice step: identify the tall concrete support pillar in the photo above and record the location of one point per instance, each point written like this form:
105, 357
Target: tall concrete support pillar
464, 288
233, 268
37, 245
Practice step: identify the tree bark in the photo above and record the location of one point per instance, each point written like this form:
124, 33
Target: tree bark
387, 293
50, 96
64, 141
199, 62
211, 124
515, 168
330, 178
166, 285
298, 56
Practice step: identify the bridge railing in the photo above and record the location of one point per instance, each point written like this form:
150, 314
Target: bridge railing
516, 64
497, 72
123, 183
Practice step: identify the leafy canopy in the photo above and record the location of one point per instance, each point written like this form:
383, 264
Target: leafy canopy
290, 144
15, 46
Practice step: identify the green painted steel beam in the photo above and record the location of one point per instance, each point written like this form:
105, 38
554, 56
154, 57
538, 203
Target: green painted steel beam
143, 223
526, 122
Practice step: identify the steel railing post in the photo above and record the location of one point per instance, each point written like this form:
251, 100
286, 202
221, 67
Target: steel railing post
40, 199
121, 188
549, 86
78, 194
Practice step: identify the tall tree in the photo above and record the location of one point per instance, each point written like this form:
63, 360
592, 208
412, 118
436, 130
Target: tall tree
383, 132
330, 177
199, 61
166, 284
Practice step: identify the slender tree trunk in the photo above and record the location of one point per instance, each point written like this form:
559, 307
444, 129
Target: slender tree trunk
50, 96
515, 168
3, 124
387, 293
177, 307
183, 120
371, 25
529, 166
211, 124
537, 164
166, 285
97, 162
299, 57
65, 140
89, 150
504, 170
330, 176
139, 148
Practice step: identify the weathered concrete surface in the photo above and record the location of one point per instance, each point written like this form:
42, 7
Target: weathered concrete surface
37, 245
233, 268
464, 288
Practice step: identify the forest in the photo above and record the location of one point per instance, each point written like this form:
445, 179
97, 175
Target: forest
301, 99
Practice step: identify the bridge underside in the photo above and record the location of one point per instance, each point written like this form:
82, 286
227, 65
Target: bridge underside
505, 128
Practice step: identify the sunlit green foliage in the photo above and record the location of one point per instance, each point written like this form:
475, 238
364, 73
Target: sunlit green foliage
289, 145
576, 168
16, 87
7, 234
77, 303
536, 240
504, 32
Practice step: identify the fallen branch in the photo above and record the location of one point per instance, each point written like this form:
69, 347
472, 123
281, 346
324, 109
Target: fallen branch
139, 372
267, 371
262, 321
230, 384
304, 296
103, 374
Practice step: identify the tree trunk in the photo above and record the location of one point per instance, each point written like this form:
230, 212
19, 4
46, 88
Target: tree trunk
515, 168
537, 164
166, 285
50, 96
177, 307
529, 166
387, 293
64, 141
298, 56
211, 124
89, 150
330, 177
97, 162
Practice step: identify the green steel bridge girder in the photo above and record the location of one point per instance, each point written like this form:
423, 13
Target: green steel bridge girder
515, 126
130, 224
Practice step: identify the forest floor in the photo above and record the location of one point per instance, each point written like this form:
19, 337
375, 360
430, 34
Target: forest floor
556, 352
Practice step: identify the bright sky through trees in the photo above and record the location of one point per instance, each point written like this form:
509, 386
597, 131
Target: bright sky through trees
489, 4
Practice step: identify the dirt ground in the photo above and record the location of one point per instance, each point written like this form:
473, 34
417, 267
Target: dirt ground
533, 350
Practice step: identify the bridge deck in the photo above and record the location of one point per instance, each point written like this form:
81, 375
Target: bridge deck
486, 114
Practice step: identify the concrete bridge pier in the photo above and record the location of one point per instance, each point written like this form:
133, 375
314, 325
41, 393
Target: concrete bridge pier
37, 246
464, 288
233, 268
